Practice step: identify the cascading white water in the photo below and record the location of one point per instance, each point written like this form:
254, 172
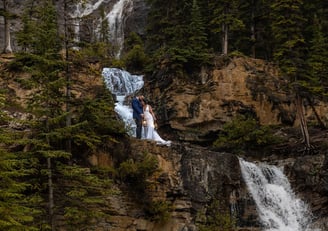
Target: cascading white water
278, 207
116, 25
83, 9
122, 84
115, 17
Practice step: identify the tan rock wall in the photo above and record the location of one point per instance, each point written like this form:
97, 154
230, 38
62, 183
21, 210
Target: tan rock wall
195, 109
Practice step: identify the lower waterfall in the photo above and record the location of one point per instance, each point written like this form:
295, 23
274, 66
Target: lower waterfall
277, 205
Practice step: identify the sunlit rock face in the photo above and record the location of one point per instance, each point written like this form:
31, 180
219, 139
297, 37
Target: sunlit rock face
197, 109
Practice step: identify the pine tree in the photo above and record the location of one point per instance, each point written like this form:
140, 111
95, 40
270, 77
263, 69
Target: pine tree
225, 19
289, 52
317, 62
254, 39
17, 210
95, 124
104, 28
198, 38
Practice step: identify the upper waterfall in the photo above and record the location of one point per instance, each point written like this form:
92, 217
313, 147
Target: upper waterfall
116, 12
116, 23
278, 207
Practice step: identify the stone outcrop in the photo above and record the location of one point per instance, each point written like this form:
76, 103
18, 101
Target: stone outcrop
197, 110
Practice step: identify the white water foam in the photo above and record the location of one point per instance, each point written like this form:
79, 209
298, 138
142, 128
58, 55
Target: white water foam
278, 207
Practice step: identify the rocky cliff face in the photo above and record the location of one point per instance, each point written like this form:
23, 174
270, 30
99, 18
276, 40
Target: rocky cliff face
197, 110
192, 178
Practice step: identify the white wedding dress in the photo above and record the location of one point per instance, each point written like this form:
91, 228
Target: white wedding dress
150, 132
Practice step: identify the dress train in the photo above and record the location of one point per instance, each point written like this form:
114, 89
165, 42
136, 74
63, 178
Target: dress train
149, 130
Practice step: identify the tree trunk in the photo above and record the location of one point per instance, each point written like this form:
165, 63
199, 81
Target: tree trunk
68, 79
316, 113
303, 123
224, 39
51, 193
253, 37
50, 186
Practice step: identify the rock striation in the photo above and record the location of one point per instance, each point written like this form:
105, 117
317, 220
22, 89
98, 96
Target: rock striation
197, 109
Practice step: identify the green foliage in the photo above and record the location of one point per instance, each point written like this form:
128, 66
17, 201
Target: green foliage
158, 211
287, 25
177, 46
104, 27
182, 34
101, 52
98, 120
215, 218
136, 59
76, 191
16, 211
81, 192
317, 62
132, 40
245, 132
136, 171
39, 34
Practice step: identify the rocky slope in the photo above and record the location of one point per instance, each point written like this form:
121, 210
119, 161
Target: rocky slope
191, 178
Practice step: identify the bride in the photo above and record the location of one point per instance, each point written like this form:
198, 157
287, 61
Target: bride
150, 132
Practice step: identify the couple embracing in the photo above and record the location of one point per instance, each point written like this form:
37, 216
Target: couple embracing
143, 113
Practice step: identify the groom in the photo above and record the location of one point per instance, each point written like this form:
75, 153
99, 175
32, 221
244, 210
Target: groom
138, 114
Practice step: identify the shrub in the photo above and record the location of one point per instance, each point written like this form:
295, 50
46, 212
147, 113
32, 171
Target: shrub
245, 132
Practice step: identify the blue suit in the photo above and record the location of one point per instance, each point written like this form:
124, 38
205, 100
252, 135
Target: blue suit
137, 111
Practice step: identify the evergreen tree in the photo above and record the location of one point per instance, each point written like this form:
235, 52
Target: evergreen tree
254, 39
24, 37
317, 82
225, 19
16, 205
289, 51
104, 28
197, 39
95, 124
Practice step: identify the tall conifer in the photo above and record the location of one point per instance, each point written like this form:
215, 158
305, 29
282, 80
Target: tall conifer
318, 62
197, 38
16, 210
225, 19
289, 52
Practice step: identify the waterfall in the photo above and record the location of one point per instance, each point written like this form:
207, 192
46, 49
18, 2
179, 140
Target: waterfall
278, 207
116, 23
115, 16
122, 84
